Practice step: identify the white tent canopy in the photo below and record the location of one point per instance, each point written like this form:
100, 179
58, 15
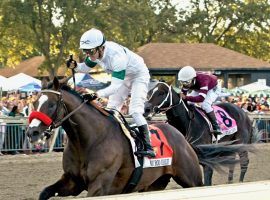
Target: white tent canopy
2, 80
18, 80
252, 87
87, 81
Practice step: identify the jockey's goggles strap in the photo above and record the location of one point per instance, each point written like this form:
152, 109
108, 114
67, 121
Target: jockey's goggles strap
40, 116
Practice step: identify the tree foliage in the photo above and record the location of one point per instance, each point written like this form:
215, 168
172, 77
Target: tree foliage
53, 27
239, 25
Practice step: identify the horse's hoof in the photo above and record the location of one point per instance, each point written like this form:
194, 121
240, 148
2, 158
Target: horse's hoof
44, 195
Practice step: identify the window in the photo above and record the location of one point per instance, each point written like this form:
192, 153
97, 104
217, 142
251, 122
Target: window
237, 80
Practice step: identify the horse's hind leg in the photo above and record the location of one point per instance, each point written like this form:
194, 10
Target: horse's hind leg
244, 161
66, 186
208, 173
189, 177
187, 182
231, 172
160, 184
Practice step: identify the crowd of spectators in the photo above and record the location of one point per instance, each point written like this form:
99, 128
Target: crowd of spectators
17, 104
256, 105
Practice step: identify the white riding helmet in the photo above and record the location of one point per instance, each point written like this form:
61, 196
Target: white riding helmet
187, 73
91, 39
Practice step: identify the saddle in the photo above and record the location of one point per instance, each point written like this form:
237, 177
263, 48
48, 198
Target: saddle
158, 141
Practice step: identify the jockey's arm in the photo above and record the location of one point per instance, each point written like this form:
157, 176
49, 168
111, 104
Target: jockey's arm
116, 82
85, 66
196, 99
199, 98
118, 67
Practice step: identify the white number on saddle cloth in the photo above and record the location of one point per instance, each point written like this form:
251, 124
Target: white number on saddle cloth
161, 147
226, 123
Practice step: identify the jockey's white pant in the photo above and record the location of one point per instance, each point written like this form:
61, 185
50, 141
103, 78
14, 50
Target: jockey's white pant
137, 88
211, 97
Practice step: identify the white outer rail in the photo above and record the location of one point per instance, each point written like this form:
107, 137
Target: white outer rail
244, 191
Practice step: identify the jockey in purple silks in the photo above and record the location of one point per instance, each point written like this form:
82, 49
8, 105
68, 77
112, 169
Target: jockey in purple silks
204, 90
130, 75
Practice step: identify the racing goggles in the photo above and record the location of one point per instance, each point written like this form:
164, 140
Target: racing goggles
90, 51
185, 83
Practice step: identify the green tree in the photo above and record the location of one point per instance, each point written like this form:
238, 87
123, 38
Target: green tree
41, 27
53, 27
239, 25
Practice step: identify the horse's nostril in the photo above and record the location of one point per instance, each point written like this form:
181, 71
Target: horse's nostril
35, 133
147, 110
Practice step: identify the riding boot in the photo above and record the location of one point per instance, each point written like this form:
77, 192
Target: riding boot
213, 119
144, 135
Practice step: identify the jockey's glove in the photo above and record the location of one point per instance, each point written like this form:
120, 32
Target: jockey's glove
71, 64
90, 97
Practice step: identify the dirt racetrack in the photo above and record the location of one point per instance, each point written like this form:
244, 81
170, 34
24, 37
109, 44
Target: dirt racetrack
24, 176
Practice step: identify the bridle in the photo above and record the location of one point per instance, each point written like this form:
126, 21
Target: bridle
159, 109
60, 111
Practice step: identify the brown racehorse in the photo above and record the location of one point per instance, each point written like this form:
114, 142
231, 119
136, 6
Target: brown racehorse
98, 157
163, 98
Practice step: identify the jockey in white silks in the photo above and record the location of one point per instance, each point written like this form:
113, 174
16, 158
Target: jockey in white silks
129, 73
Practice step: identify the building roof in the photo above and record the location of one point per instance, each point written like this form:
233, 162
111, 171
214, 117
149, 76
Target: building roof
29, 67
205, 56
166, 56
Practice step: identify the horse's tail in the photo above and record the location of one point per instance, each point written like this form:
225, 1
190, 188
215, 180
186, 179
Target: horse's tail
256, 135
218, 155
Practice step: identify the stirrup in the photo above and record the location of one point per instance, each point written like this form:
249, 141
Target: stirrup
217, 132
217, 138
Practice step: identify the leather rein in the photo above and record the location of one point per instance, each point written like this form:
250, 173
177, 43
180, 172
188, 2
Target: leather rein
61, 105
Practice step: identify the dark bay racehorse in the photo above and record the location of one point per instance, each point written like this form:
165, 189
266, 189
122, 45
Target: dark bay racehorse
98, 157
163, 98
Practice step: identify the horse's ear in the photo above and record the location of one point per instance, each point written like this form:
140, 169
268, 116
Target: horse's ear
170, 82
64, 80
152, 84
56, 83
44, 83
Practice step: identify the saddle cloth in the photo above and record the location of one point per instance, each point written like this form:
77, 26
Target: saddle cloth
159, 143
226, 123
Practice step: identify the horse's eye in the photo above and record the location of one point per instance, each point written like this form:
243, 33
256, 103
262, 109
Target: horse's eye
50, 105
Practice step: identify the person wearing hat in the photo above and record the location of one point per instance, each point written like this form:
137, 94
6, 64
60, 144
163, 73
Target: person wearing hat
204, 90
130, 75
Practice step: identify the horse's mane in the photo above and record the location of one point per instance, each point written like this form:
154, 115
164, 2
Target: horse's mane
63, 86
70, 90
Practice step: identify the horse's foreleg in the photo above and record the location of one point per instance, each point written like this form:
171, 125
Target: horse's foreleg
101, 184
244, 161
66, 186
208, 173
